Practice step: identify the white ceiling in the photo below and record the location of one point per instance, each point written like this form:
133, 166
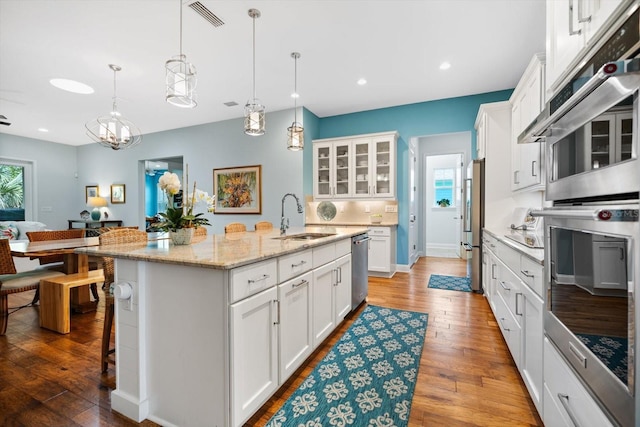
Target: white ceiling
397, 45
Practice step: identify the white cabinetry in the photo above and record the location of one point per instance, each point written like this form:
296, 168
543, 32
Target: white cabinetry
382, 251
513, 287
566, 402
355, 167
573, 26
527, 101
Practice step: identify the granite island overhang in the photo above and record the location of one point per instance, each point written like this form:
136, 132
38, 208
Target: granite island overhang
208, 332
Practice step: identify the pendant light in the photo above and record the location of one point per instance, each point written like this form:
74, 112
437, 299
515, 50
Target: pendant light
181, 78
254, 111
295, 132
113, 130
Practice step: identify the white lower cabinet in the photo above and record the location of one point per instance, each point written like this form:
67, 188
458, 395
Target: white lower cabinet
531, 363
331, 297
254, 353
566, 402
296, 339
382, 251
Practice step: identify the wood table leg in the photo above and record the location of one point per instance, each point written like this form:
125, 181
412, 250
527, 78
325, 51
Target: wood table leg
81, 296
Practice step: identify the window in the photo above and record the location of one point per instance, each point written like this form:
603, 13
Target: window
15, 190
444, 184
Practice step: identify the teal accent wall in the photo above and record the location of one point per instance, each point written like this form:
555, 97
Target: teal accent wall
412, 120
311, 124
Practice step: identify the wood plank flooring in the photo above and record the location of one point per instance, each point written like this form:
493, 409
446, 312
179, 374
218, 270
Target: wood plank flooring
466, 376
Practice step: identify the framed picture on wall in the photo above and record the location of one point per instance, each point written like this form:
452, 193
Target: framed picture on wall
91, 191
117, 193
238, 190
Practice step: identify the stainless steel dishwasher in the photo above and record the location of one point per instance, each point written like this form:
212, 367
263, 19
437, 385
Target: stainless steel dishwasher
359, 269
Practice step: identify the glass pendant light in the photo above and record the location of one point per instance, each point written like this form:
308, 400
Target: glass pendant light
113, 130
295, 132
181, 78
254, 111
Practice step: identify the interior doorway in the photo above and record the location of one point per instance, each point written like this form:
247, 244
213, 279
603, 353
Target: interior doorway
154, 199
443, 204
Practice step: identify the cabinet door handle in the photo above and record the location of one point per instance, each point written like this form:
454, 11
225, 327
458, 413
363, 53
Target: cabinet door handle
518, 294
622, 254
277, 302
502, 325
582, 19
504, 286
264, 277
300, 264
493, 271
564, 400
297, 285
571, 31
533, 168
369, 190
334, 279
515, 177
526, 273
339, 280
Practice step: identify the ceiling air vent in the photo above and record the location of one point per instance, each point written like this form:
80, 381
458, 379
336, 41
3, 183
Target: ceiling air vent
3, 121
206, 14
231, 104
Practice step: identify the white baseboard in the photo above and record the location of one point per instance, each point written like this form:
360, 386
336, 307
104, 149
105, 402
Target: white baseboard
442, 251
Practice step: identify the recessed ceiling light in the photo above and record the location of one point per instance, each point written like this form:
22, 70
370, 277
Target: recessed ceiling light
362, 82
72, 86
295, 95
43, 130
445, 66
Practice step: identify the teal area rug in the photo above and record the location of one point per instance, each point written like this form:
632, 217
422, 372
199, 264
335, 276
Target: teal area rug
366, 379
450, 283
612, 351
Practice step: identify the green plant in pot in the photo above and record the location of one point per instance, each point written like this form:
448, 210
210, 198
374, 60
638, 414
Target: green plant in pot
443, 203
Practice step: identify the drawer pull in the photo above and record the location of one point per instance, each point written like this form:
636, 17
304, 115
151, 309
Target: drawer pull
300, 264
578, 355
264, 277
277, 322
504, 286
502, 325
493, 271
564, 400
526, 273
302, 282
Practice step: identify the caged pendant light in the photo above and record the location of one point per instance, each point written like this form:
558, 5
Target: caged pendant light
295, 132
181, 78
113, 130
254, 111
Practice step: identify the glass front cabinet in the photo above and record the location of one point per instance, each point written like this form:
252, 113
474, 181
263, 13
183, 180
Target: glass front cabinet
356, 167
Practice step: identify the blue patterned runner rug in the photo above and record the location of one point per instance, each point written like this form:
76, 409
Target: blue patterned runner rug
450, 283
366, 379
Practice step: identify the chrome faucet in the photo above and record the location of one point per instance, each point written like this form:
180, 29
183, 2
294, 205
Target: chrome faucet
284, 222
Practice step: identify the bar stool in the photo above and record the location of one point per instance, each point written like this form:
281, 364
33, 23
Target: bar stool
263, 225
235, 227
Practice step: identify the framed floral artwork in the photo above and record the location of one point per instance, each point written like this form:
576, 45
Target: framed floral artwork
238, 190
117, 193
91, 191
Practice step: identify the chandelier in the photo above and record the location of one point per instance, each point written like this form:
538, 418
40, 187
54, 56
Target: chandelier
295, 132
181, 78
254, 111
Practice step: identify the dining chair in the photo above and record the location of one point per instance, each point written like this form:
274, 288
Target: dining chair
12, 282
263, 225
235, 227
119, 235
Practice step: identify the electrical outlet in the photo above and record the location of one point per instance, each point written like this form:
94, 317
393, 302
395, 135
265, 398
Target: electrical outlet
367, 209
391, 208
46, 209
342, 209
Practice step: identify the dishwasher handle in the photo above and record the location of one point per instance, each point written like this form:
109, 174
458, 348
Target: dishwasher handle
361, 241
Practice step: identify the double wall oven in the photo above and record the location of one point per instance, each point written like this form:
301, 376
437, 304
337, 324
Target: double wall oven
592, 230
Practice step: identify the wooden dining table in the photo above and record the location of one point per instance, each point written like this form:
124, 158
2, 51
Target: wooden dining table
73, 263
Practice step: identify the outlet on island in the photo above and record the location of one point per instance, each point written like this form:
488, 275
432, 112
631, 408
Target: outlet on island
391, 208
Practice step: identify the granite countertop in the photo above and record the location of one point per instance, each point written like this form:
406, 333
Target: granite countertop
533, 253
223, 251
353, 224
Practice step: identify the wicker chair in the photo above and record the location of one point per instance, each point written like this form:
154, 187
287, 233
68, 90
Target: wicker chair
41, 236
12, 282
118, 235
263, 225
235, 227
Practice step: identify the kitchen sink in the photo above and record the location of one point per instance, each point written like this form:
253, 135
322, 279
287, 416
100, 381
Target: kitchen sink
305, 236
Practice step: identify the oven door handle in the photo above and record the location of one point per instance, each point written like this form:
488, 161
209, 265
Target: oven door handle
576, 214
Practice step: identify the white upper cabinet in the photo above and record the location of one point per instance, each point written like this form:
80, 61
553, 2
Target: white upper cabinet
527, 101
572, 27
355, 167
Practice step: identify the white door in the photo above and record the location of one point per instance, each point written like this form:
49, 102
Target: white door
254, 353
413, 222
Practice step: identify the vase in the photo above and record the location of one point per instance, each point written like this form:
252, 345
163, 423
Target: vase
182, 236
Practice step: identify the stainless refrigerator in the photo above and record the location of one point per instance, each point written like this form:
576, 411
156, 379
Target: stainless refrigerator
474, 221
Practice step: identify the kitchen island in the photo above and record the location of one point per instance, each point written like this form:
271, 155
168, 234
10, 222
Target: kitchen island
207, 332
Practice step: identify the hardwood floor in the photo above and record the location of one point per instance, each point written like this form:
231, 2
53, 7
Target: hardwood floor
466, 376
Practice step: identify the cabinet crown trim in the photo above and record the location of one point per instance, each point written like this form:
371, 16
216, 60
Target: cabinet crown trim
364, 135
